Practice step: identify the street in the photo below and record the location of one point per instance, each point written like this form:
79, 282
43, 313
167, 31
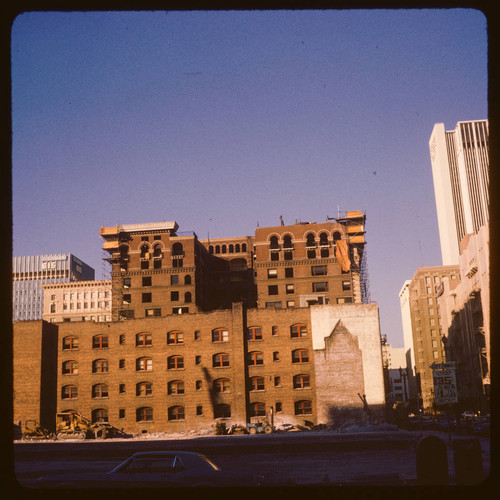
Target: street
298, 458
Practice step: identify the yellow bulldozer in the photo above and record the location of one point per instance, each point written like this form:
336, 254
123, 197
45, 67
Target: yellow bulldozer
72, 425
33, 430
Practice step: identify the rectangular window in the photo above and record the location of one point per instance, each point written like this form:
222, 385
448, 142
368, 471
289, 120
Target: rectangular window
177, 263
288, 272
174, 296
157, 264
197, 360
121, 413
288, 255
274, 305
121, 363
272, 289
198, 385
274, 330
146, 297
290, 289
146, 281
197, 335
318, 270
276, 356
144, 264
153, 312
346, 286
320, 286
174, 279
199, 410
279, 407
272, 273
290, 303
277, 381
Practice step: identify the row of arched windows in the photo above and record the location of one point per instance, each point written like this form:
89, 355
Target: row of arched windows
176, 362
178, 412
312, 240
155, 250
143, 339
231, 248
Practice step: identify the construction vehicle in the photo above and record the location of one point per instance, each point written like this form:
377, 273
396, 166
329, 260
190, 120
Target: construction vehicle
33, 430
72, 425
259, 426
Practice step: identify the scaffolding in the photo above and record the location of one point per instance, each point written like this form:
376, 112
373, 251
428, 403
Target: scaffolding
355, 222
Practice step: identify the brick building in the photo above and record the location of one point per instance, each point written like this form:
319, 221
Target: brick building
188, 371
225, 329
157, 271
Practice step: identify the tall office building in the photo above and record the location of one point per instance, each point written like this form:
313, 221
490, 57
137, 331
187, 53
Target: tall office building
29, 273
460, 163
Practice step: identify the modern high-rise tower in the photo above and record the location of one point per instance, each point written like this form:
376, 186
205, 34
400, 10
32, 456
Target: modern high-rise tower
460, 160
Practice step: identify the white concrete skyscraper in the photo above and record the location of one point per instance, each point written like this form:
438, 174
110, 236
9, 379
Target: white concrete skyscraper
460, 161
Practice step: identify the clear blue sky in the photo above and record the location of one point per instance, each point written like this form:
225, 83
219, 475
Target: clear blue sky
220, 120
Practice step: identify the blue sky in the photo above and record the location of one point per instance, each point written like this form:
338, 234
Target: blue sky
222, 120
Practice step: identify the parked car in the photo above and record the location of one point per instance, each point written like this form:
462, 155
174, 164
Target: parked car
155, 469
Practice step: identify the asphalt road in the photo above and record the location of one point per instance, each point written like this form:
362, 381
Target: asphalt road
305, 458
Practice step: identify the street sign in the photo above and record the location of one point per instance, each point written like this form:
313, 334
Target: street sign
442, 366
445, 386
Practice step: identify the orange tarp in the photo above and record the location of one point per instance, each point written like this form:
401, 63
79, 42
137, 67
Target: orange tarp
342, 255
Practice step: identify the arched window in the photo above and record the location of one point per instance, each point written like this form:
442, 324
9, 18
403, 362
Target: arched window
254, 333
69, 392
222, 385
187, 297
273, 242
210, 249
303, 407
144, 389
222, 411
99, 415
70, 367
177, 249
144, 414
144, 364
287, 241
237, 248
100, 391
99, 341
336, 236
217, 248
157, 252
224, 249
176, 413
298, 330
100, 366
255, 358
187, 279
175, 337
310, 241
70, 343
143, 339
323, 239
175, 363
300, 356
301, 381
220, 335
220, 360
257, 409
175, 387
144, 251
231, 248
257, 383
243, 247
